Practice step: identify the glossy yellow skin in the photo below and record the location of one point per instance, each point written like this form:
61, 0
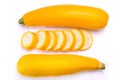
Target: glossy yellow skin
55, 64
74, 16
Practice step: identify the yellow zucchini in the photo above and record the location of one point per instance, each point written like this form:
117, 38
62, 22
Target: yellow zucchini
56, 64
74, 16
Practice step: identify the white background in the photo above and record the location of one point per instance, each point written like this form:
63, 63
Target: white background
106, 45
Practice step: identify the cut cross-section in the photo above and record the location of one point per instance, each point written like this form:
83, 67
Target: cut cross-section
88, 40
70, 40
61, 40
29, 40
53, 40
79, 39
43, 39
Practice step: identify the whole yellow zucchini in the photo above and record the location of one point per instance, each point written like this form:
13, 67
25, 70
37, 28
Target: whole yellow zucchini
74, 16
55, 64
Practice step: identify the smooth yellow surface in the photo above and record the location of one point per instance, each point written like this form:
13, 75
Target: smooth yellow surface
74, 16
55, 64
